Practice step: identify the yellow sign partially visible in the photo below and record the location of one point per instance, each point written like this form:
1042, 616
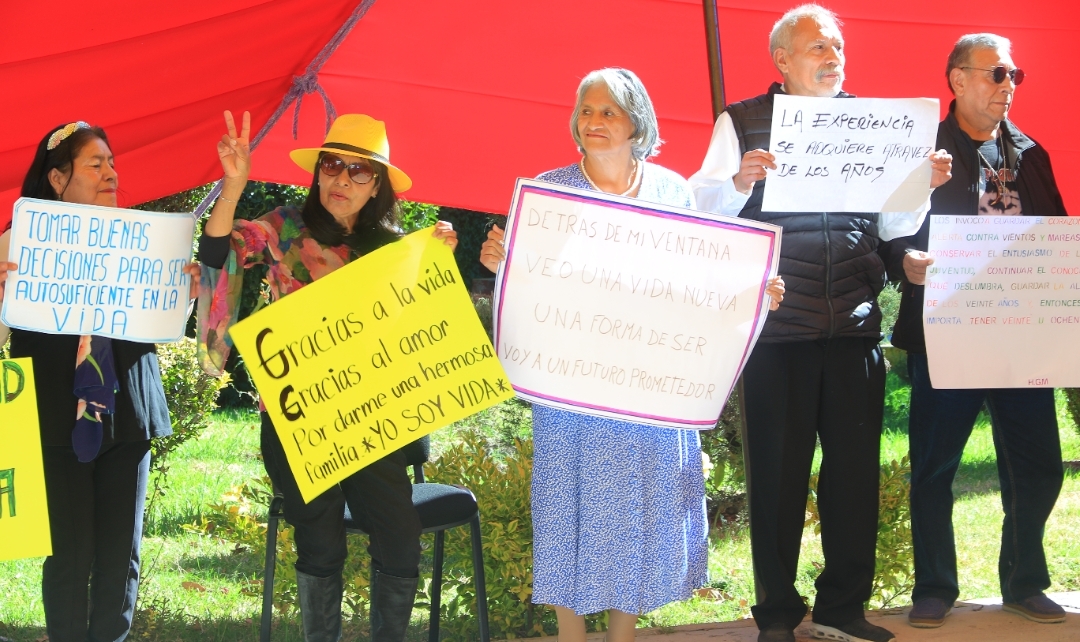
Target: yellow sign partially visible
24, 510
369, 358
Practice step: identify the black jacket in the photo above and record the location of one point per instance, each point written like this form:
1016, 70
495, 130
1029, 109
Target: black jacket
1035, 183
829, 260
141, 409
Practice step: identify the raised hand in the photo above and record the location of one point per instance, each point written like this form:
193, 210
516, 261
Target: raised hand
233, 149
235, 158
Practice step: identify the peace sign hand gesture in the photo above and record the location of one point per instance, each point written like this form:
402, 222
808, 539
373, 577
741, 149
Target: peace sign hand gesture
234, 152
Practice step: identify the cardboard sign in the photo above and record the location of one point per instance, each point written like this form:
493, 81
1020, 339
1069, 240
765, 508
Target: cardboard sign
24, 510
85, 269
1002, 302
626, 309
850, 154
369, 358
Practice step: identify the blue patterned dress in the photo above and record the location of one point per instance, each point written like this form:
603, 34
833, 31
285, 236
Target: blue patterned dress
618, 508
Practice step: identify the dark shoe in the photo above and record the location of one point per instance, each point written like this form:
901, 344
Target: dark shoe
1037, 608
391, 606
320, 606
928, 613
776, 633
855, 631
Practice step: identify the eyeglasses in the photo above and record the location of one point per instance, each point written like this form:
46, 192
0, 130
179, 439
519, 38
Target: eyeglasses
361, 171
1015, 75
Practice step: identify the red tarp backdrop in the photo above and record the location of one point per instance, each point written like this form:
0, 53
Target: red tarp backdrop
475, 93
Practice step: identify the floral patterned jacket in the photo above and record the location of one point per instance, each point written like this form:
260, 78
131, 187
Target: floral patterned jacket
280, 240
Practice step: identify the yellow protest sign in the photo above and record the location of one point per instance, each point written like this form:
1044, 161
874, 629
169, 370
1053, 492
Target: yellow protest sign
369, 358
24, 510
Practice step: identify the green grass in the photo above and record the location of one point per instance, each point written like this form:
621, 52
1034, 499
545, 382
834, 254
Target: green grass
228, 609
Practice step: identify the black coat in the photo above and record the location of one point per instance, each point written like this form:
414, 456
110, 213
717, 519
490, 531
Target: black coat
829, 260
1039, 196
141, 409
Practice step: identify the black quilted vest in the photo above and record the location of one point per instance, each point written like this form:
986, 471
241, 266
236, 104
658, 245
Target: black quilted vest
829, 260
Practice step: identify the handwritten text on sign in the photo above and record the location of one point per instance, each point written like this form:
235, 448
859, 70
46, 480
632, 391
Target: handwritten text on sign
850, 154
1002, 302
24, 512
626, 309
85, 269
369, 358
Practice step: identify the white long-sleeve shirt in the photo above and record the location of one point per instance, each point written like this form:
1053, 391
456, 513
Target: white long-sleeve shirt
714, 187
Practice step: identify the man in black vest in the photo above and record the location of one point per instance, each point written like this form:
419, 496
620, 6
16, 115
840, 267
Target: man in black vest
817, 370
999, 171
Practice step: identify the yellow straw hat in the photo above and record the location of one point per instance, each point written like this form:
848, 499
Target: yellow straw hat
355, 135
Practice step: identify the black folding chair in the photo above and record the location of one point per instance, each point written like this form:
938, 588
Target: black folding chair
440, 507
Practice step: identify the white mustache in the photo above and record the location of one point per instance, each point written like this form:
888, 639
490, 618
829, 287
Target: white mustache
830, 70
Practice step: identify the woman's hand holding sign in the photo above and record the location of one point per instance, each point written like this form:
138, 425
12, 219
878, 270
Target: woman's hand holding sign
5, 267
775, 289
492, 252
445, 230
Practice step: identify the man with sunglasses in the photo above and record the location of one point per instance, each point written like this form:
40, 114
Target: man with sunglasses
997, 170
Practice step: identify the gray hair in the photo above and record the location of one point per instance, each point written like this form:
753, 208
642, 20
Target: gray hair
780, 37
961, 53
630, 95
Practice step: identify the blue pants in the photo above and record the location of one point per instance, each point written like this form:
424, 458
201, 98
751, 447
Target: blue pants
1029, 467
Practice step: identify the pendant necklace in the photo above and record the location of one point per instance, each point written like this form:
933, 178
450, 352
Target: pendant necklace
1000, 176
635, 178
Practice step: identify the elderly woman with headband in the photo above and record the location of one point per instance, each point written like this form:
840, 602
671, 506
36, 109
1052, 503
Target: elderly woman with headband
349, 212
100, 401
618, 508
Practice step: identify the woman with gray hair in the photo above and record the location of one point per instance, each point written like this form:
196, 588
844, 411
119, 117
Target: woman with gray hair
618, 508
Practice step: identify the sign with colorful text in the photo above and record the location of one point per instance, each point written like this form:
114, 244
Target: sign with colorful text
850, 154
1002, 302
24, 511
369, 358
626, 309
85, 269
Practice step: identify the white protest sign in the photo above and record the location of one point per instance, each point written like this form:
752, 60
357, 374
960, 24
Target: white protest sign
1002, 302
850, 154
621, 308
85, 269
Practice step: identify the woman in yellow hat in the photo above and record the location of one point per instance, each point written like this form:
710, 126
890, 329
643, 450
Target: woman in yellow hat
349, 212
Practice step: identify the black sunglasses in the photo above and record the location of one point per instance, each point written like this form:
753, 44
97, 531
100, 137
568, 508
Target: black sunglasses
361, 171
1015, 75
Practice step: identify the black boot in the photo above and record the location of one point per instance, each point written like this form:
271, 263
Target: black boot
320, 606
391, 606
